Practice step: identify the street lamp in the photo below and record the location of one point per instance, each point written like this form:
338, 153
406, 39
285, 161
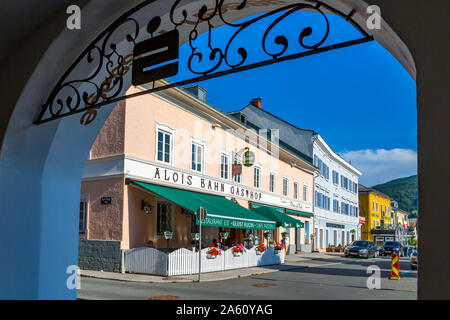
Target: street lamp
224, 235
267, 235
168, 235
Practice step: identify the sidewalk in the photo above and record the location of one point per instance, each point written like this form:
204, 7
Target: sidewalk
292, 261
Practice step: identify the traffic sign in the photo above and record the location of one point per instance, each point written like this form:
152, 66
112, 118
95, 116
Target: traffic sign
395, 272
201, 213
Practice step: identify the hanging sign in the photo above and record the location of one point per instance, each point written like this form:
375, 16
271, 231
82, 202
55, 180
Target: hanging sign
248, 158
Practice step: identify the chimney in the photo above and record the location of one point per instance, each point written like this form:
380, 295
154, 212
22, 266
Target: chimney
256, 102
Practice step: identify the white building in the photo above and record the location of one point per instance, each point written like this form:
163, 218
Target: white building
336, 216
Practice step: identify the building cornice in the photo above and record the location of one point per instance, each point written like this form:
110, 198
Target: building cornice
335, 156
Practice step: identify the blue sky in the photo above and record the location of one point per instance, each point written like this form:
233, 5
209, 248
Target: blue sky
359, 98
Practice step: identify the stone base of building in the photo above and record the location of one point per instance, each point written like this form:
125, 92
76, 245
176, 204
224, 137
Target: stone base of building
99, 255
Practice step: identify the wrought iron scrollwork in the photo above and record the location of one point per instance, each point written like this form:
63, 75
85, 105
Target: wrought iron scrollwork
109, 65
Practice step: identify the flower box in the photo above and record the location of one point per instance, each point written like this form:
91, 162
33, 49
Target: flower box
238, 250
260, 249
213, 252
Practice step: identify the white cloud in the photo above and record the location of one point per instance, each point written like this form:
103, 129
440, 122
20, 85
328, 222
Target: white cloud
381, 165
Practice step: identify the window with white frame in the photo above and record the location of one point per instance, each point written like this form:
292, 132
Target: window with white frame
305, 192
164, 152
164, 218
257, 177
197, 157
296, 190
285, 186
272, 179
224, 166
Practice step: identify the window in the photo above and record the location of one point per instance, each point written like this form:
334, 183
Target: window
82, 229
272, 178
197, 157
335, 177
325, 171
376, 206
237, 177
164, 146
295, 190
322, 201
373, 205
164, 219
336, 206
305, 192
243, 118
257, 177
224, 166
285, 186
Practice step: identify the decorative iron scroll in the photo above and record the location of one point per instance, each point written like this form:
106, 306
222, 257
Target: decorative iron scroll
155, 56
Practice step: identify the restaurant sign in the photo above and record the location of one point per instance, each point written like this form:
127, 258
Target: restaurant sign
237, 224
195, 182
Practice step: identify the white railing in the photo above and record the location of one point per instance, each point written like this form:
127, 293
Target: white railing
183, 261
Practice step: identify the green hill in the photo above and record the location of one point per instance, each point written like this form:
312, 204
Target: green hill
403, 190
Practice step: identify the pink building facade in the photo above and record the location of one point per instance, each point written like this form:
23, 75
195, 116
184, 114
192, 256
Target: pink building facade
178, 141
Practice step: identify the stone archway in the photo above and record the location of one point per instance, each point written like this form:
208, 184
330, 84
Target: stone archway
40, 166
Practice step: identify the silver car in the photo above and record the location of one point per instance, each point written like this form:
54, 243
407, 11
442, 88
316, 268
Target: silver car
413, 260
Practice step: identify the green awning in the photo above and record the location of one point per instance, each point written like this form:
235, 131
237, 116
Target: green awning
277, 214
221, 212
299, 213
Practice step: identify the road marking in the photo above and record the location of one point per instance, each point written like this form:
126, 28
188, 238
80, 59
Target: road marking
333, 263
405, 272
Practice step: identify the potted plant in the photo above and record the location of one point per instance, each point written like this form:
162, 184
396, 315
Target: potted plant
277, 248
329, 248
338, 248
260, 249
213, 252
238, 250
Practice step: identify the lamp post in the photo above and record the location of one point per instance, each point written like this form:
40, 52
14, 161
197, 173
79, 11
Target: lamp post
201, 215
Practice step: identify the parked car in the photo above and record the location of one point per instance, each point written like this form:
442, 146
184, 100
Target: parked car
413, 260
391, 246
361, 248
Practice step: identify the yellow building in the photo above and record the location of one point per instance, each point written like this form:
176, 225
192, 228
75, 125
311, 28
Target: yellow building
375, 207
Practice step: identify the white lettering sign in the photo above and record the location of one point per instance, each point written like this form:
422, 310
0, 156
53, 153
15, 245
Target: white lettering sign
188, 180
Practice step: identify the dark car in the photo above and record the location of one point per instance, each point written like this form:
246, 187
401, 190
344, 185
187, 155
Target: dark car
391, 246
361, 248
